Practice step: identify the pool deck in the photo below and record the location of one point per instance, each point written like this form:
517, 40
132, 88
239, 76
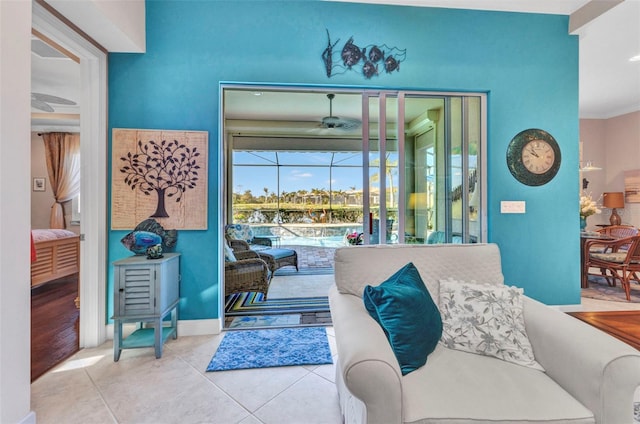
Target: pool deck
310, 257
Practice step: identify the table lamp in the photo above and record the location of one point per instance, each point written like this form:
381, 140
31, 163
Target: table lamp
613, 200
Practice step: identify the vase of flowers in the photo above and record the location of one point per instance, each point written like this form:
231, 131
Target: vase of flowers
355, 238
588, 207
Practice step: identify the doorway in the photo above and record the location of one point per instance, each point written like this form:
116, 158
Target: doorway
326, 166
93, 174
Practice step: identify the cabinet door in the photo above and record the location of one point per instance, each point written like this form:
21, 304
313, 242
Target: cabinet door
136, 290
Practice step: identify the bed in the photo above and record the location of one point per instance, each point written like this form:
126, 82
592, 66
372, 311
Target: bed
57, 255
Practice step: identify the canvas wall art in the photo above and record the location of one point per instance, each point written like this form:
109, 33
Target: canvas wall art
632, 186
160, 174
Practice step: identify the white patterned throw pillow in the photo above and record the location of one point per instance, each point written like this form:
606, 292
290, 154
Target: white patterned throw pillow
486, 319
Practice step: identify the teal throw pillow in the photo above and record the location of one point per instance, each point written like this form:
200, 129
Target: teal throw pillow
408, 315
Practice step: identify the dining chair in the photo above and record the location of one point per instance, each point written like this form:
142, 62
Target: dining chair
618, 264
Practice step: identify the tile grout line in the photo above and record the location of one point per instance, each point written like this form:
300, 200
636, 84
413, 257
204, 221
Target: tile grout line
204, 375
102, 398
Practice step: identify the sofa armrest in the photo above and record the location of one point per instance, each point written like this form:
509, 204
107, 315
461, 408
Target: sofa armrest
368, 366
599, 370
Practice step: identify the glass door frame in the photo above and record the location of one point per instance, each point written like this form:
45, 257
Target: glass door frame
382, 95
401, 95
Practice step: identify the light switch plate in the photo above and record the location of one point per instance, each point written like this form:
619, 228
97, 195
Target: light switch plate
513, 206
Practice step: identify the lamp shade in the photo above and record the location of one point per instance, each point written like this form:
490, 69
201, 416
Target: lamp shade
613, 200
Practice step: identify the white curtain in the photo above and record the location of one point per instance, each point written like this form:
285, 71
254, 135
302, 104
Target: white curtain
62, 152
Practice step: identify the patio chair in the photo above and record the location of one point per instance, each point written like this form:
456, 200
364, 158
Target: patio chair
237, 236
617, 264
244, 271
244, 233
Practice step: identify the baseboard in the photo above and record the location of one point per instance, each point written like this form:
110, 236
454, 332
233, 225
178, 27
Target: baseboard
195, 327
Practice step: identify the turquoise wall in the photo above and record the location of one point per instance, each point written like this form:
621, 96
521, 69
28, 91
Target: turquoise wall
527, 63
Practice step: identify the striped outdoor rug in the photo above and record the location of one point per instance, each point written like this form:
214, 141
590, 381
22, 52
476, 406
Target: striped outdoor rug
252, 303
289, 270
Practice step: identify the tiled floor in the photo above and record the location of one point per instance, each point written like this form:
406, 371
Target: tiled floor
91, 389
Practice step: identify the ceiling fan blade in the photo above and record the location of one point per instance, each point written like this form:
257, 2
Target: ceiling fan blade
52, 99
40, 105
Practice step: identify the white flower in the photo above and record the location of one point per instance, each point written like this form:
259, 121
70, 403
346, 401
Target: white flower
588, 206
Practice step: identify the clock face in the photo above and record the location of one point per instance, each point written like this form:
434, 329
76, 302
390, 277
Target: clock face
533, 157
538, 156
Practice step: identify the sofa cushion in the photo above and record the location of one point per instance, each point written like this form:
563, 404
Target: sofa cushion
486, 390
617, 257
357, 266
407, 314
485, 319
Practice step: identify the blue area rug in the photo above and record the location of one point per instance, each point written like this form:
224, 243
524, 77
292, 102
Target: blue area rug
245, 349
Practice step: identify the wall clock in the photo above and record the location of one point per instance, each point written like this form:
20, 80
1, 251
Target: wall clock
533, 157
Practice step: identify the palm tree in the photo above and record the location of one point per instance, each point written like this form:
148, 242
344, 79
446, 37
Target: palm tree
302, 193
391, 169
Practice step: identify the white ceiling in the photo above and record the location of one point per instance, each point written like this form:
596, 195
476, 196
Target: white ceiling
609, 83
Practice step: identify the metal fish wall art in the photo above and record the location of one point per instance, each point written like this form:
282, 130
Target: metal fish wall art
370, 60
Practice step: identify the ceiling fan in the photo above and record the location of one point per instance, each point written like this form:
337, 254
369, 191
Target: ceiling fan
41, 102
334, 122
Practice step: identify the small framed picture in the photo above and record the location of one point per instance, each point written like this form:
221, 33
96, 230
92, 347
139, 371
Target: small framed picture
39, 184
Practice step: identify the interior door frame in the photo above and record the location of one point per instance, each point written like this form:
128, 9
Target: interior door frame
93, 172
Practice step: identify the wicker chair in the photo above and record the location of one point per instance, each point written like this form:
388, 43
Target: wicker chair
615, 233
275, 258
245, 233
618, 264
248, 273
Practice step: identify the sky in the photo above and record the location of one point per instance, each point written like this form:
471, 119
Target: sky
298, 171
305, 171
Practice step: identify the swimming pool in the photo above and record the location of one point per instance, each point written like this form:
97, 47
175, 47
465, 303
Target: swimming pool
322, 235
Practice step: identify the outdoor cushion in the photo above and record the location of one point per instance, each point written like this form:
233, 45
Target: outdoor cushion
240, 232
228, 253
277, 253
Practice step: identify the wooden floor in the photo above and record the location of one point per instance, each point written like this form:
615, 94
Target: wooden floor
54, 324
625, 325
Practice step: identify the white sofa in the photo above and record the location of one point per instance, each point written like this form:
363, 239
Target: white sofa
590, 377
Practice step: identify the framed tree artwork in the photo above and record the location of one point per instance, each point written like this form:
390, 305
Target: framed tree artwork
160, 174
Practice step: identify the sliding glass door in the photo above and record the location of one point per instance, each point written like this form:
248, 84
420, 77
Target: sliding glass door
421, 156
389, 166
